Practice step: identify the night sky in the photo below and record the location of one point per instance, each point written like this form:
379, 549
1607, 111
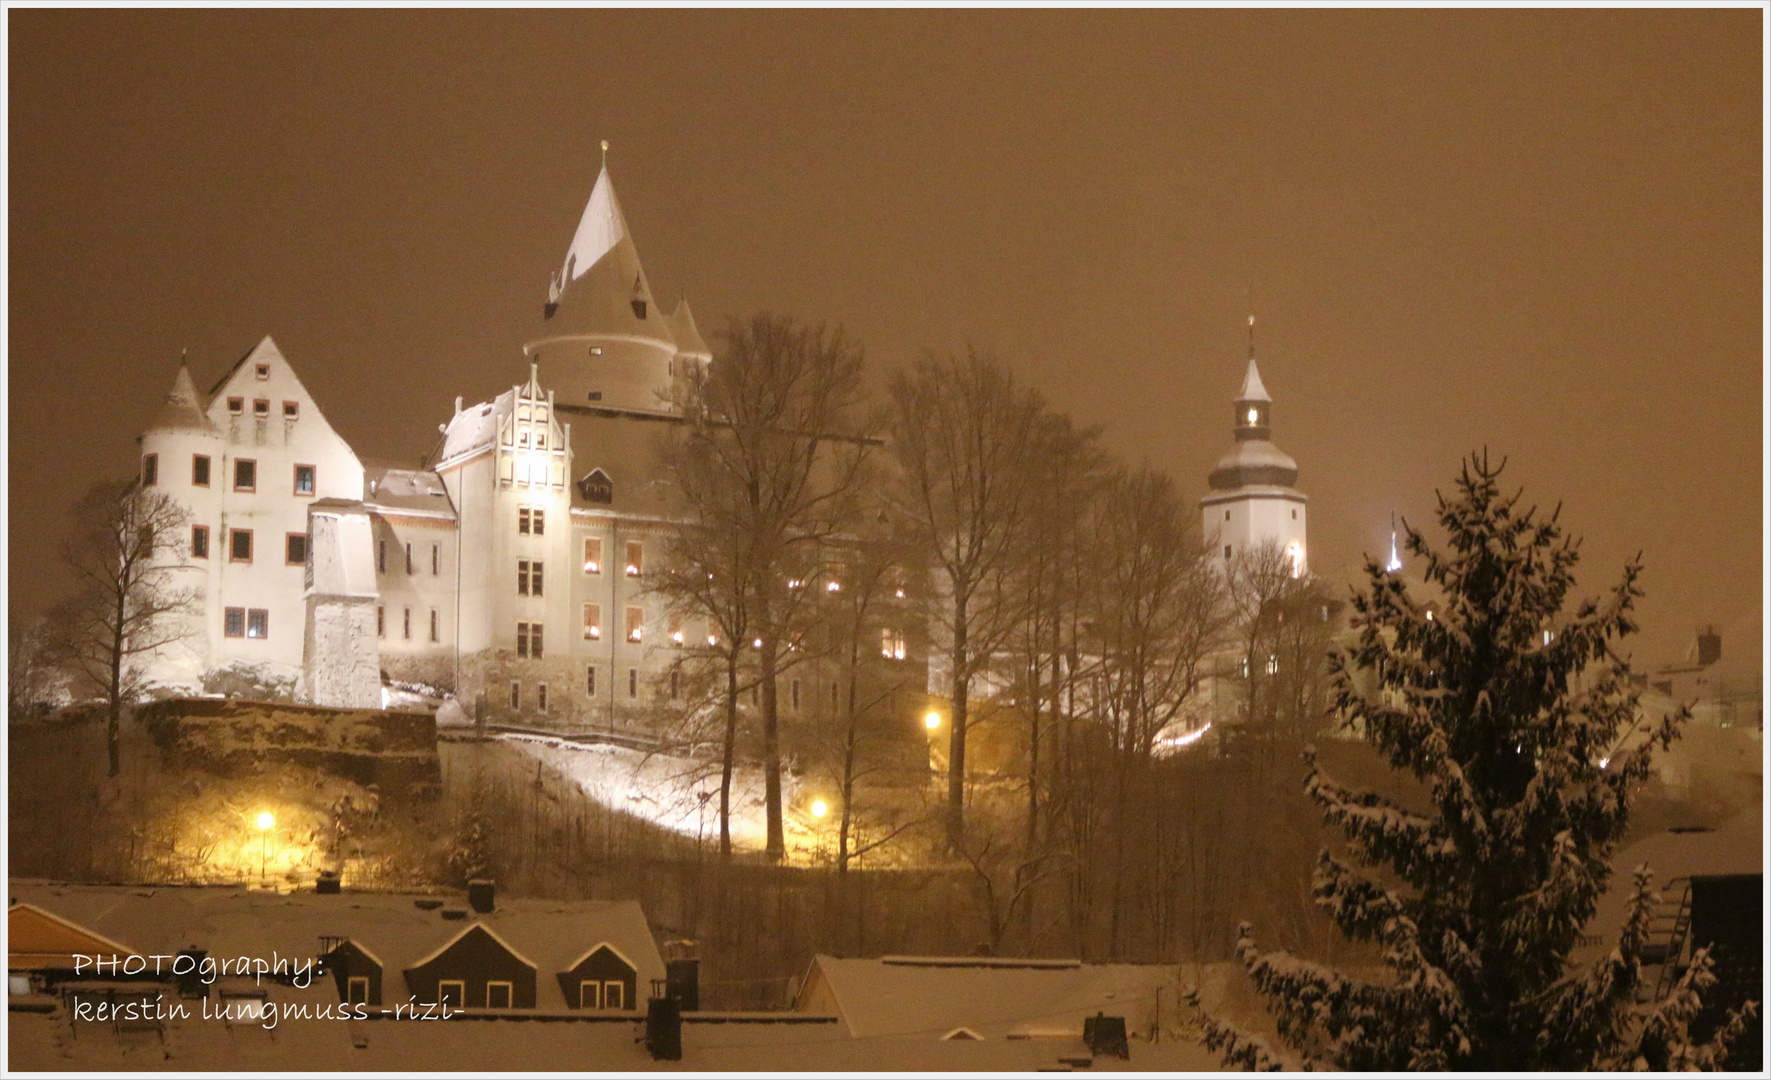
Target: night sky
1535, 231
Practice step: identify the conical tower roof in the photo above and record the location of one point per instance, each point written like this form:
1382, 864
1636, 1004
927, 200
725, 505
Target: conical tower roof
689, 341
1252, 389
182, 410
601, 287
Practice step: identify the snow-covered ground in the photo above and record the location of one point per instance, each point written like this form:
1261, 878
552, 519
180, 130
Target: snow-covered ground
679, 794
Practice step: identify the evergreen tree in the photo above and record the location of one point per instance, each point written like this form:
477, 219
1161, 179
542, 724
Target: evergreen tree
1510, 712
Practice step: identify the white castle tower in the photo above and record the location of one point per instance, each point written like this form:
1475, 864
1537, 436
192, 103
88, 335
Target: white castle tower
1253, 501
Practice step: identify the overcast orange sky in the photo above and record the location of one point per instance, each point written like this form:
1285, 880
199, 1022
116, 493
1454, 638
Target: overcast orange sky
1539, 232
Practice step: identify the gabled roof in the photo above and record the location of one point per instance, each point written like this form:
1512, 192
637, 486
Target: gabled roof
590, 952
1252, 390
264, 350
466, 930
183, 409
472, 429
36, 938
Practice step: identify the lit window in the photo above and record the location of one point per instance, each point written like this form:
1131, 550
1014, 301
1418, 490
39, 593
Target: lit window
240, 545
261, 408
291, 410
199, 470
1253, 415
433, 625
541, 697
258, 623
245, 474
406, 624
295, 549
263, 371
676, 629
150, 470
593, 555
636, 623
234, 622
304, 479
199, 541
636, 553
593, 622
891, 644
236, 405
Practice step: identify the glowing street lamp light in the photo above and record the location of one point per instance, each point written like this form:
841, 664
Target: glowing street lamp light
265, 821
932, 720
820, 808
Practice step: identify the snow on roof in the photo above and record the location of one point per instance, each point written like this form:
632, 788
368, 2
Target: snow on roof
393, 488
473, 429
1737, 846
903, 996
1252, 390
602, 289
689, 341
235, 921
599, 229
1253, 461
183, 409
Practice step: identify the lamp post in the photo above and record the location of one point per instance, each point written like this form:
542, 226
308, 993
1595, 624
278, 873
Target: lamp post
265, 821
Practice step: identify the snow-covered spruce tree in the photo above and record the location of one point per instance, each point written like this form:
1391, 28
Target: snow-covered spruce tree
1506, 708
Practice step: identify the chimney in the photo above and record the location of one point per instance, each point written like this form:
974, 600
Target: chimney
1709, 645
664, 1029
480, 895
682, 981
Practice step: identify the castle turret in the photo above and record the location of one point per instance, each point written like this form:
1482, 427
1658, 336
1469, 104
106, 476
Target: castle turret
1253, 501
181, 456
606, 341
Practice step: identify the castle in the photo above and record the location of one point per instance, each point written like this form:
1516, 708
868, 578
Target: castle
512, 570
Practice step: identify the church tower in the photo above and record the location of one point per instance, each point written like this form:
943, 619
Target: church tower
1253, 500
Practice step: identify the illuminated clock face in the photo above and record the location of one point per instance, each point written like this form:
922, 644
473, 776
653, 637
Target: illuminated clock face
1254, 416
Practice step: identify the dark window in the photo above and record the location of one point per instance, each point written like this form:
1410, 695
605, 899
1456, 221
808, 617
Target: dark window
529, 641
633, 682
436, 558
304, 479
541, 696
150, 470
199, 470
234, 622
453, 992
258, 623
535, 578
406, 624
240, 545
523, 520
380, 622
522, 577
531, 521
590, 681
433, 624
516, 694
535, 641
794, 687
676, 682
381, 556
261, 408
245, 474
408, 560
291, 410
296, 555
236, 405
539, 521
263, 371
199, 541
498, 993
1226, 551
358, 990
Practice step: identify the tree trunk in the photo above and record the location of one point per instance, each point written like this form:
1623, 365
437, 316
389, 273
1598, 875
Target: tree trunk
114, 692
956, 737
727, 751
777, 839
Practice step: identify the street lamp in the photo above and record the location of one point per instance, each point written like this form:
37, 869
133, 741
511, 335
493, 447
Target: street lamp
932, 720
265, 821
820, 808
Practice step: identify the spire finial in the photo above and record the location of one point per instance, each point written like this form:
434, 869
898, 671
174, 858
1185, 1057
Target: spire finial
1251, 336
605, 153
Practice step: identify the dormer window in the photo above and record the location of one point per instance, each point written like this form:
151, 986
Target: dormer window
596, 487
639, 309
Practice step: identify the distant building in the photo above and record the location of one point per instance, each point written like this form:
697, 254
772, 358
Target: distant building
1253, 499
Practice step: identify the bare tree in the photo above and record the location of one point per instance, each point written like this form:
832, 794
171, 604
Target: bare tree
127, 545
767, 473
33, 674
967, 439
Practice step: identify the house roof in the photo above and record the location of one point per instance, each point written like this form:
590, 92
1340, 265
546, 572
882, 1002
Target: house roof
931, 996
234, 921
36, 938
473, 429
391, 487
1737, 846
601, 279
1252, 388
